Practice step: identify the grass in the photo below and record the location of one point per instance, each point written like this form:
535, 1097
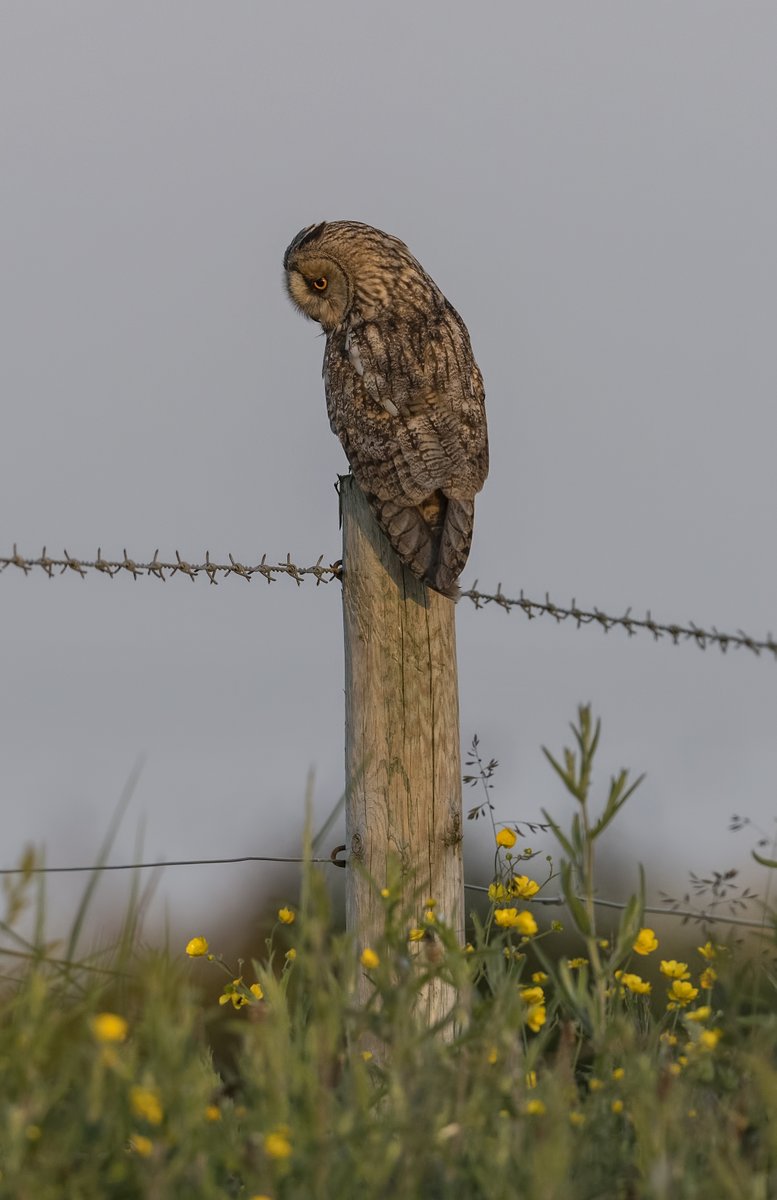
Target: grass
601, 1075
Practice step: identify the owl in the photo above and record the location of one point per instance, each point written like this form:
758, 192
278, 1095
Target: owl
403, 391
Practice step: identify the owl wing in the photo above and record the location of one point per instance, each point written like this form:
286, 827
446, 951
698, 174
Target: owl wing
407, 401
424, 377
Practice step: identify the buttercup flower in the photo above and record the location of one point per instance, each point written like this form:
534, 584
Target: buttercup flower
534, 1108
702, 1013
523, 887
674, 970
233, 995
533, 995
256, 990
277, 1144
369, 959
286, 916
415, 935
212, 1112
575, 963
496, 892
141, 1145
634, 983
646, 942
510, 918
290, 955
506, 838
108, 1027
536, 1016
539, 977
197, 947
708, 951
709, 1038
681, 993
145, 1103
708, 977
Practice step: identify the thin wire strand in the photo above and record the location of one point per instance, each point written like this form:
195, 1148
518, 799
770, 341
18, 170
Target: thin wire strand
322, 573
334, 861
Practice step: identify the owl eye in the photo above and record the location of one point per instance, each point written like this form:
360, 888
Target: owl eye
320, 284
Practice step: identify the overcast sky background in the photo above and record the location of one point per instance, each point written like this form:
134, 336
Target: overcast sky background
594, 187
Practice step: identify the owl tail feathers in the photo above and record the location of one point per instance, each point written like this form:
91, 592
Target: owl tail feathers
453, 552
431, 539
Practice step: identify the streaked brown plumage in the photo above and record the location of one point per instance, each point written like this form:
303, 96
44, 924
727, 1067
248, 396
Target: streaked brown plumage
403, 391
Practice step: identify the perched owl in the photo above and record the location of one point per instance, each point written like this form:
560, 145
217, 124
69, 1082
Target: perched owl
403, 391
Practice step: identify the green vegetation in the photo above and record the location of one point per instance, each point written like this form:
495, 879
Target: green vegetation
619, 1072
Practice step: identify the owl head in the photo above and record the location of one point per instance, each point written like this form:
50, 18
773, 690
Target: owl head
315, 279
337, 268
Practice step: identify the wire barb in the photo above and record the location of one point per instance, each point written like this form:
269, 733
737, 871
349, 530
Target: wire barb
323, 573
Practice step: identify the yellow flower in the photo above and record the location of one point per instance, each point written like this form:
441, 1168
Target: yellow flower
539, 977
369, 959
674, 970
536, 1016
233, 995
708, 977
674, 1068
415, 935
617, 1106
213, 1113
709, 1038
277, 1144
145, 1103
534, 1108
197, 947
429, 915
493, 1056
523, 887
256, 991
469, 948
531, 1079
366, 1055
286, 916
708, 951
681, 993
634, 983
669, 1039
510, 918
141, 1145
574, 963
594, 1084
646, 942
290, 954
576, 1119
702, 1013
430, 902
533, 995
385, 893
496, 892
506, 838
618, 1073
108, 1027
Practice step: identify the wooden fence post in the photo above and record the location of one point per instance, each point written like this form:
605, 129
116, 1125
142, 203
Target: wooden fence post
402, 755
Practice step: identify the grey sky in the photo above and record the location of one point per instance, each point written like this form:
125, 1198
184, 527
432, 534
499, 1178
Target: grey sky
593, 186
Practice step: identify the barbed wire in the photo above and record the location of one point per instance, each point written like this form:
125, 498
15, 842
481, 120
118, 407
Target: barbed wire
334, 860
595, 616
325, 573
165, 570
